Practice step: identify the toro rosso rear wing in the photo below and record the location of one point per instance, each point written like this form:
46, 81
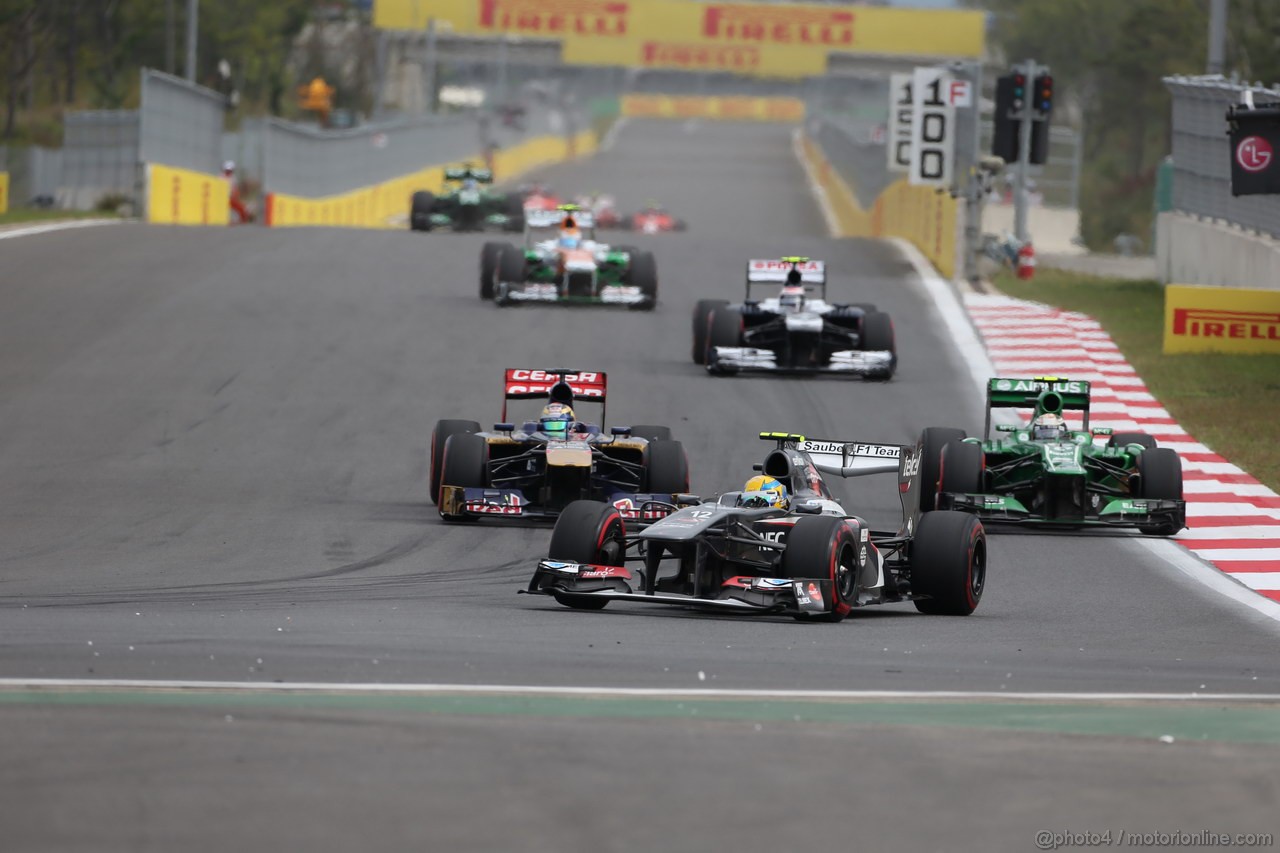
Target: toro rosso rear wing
813, 274
1042, 393
558, 385
859, 459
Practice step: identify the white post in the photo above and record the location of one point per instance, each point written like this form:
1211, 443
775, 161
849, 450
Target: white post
193, 29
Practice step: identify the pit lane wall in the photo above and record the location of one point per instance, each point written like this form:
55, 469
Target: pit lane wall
921, 215
380, 205
185, 197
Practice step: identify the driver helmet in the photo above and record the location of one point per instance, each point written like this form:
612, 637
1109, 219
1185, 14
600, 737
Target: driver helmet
791, 298
556, 419
1048, 426
761, 491
570, 237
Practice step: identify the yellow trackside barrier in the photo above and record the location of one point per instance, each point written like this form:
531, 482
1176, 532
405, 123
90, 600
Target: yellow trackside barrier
183, 197
921, 215
4, 193
377, 205
726, 108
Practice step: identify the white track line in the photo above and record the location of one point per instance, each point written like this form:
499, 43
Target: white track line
98, 684
56, 226
819, 192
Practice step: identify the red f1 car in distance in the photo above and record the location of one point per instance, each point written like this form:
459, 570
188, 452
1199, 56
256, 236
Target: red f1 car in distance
654, 219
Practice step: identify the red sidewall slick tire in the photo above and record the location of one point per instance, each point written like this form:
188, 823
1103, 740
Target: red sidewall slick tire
588, 532
949, 563
825, 548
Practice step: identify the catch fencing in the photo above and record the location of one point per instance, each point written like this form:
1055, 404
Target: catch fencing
99, 159
180, 123
1202, 154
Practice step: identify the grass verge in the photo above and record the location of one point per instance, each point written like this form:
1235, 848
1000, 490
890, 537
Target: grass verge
1229, 402
25, 214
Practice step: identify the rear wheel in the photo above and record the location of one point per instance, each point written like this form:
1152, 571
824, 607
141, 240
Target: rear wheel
877, 336
724, 329
1122, 439
466, 458
643, 274
651, 432
932, 440
948, 563
668, 468
824, 548
961, 468
588, 532
1160, 472
420, 211
439, 436
489, 266
701, 314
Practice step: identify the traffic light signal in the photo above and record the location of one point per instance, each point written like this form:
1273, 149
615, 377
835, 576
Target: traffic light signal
1011, 97
1041, 108
1043, 96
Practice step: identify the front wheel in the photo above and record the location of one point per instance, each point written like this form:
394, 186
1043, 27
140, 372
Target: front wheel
877, 336
701, 315
724, 329
948, 563
466, 465
668, 468
489, 266
932, 440
961, 468
643, 274
1160, 478
824, 548
588, 532
439, 437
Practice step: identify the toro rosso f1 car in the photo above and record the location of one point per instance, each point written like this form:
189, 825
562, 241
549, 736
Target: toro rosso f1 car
563, 262
794, 331
741, 554
536, 468
1045, 473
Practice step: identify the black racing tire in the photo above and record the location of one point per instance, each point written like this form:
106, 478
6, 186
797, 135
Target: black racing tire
513, 207
420, 207
444, 429
877, 336
588, 532
932, 440
867, 307
960, 469
466, 464
824, 548
724, 329
651, 432
948, 563
1122, 439
1160, 478
701, 315
511, 265
489, 255
667, 468
643, 273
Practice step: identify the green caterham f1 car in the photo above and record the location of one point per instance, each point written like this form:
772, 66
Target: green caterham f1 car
1045, 473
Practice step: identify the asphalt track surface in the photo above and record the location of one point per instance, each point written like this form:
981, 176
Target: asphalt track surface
213, 445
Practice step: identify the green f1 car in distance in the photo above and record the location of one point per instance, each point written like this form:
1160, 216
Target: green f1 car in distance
1044, 473
466, 205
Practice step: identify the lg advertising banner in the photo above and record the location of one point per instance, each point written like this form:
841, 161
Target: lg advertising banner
1255, 150
1221, 319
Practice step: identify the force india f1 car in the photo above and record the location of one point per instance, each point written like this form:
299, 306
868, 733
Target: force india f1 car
741, 553
466, 205
562, 262
535, 469
794, 331
1047, 474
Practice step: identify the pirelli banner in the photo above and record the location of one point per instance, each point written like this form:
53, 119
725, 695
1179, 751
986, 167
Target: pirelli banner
727, 109
761, 39
1220, 319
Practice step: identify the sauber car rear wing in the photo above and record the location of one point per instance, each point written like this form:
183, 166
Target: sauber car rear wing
813, 274
559, 385
858, 459
1042, 393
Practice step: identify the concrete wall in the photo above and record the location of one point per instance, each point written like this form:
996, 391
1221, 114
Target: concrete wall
1193, 251
1051, 228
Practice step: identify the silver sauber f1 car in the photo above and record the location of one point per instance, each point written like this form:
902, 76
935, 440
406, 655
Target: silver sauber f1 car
793, 331
789, 548
534, 468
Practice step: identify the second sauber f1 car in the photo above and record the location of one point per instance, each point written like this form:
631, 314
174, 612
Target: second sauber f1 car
562, 262
810, 560
794, 331
1045, 473
529, 470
